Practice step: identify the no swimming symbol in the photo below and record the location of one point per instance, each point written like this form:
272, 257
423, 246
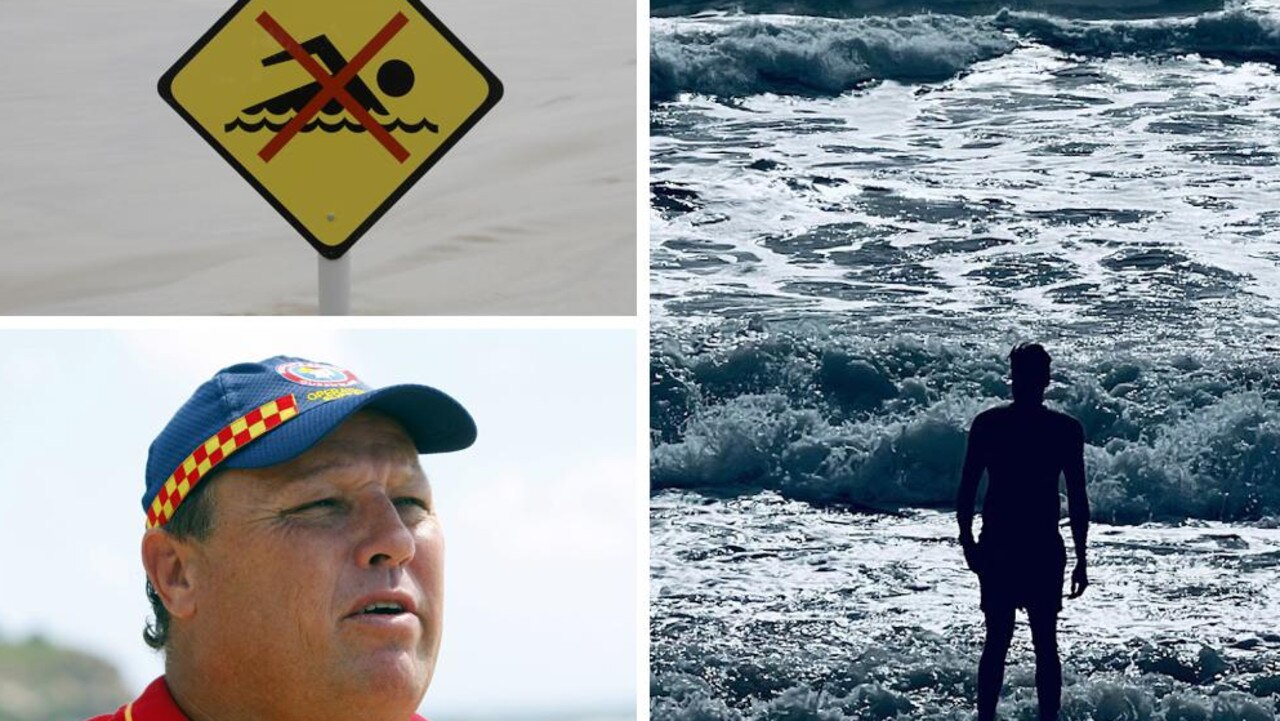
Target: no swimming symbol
330, 92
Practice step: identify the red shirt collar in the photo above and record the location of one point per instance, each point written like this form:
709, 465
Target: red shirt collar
157, 704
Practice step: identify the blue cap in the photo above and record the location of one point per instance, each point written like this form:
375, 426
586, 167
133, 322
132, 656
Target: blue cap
254, 415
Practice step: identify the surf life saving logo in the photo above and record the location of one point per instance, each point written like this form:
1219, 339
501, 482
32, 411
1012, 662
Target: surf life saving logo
331, 109
316, 374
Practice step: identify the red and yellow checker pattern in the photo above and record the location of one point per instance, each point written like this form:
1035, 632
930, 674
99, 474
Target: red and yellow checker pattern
214, 451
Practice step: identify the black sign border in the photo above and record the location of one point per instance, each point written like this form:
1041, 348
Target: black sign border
335, 251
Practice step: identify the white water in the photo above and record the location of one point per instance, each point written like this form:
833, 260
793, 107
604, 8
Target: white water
1123, 193
774, 603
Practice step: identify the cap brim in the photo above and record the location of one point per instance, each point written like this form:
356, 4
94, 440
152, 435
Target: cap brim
435, 422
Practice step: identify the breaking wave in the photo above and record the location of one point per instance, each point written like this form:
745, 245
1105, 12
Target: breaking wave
1096, 9
1237, 35
826, 418
816, 56
741, 56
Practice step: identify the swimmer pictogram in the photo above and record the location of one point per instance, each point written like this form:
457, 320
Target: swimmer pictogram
395, 79
330, 109
332, 89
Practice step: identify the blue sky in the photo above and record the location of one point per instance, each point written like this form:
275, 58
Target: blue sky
540, 515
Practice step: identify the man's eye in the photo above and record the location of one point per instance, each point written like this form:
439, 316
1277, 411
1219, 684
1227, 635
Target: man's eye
323, 503
411, 501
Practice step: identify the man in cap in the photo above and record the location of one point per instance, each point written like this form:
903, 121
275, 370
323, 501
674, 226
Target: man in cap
1024, 448
292, 551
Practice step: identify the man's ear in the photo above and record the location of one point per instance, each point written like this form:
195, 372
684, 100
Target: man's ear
168, 561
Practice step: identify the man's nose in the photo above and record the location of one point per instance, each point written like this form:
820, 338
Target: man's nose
386, 540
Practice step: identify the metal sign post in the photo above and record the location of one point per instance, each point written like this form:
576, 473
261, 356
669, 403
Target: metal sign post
335, 285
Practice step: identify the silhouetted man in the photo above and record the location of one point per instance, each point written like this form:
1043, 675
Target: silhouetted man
1024, 448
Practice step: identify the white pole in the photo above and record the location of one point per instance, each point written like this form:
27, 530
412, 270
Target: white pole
335, 285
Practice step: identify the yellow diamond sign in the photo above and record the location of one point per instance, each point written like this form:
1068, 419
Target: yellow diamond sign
331, 109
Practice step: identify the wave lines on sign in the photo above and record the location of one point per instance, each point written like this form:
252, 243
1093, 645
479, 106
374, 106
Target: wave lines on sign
344, 124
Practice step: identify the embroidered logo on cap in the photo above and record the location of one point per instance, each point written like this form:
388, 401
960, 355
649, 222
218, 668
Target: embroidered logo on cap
316, 374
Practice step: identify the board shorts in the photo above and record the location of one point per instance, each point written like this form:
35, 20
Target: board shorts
1022, 573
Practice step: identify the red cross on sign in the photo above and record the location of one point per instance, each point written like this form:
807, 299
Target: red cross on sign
293, 110
333, 87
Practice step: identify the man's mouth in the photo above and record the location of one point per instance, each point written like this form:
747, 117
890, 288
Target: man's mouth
386, 604
389, 608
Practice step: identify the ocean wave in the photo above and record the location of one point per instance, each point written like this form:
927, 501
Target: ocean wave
1097, 9
815, 56
741, 56
1236, 35
882, 425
